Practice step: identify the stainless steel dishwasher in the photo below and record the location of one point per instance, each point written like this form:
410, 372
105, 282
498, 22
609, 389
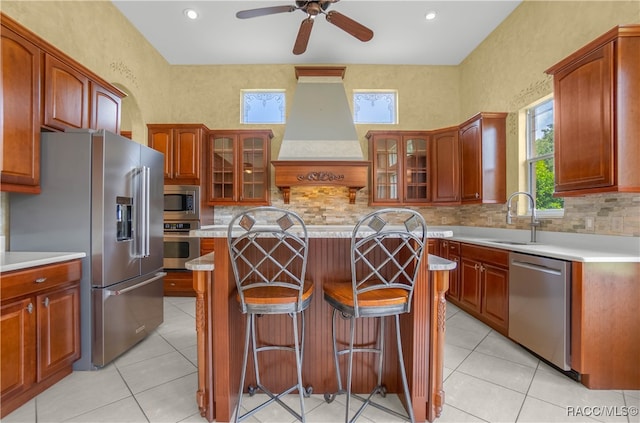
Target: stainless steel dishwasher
539, 306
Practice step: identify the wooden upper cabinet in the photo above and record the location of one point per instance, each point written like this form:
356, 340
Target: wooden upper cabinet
482, 141
66, 100
444, 158
105, 109
161, 139
596, 125
471, 159
399, 167
21, 68
238, 167
44, 88
181, 145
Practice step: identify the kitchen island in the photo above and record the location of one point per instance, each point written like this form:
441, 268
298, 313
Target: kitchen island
220, 324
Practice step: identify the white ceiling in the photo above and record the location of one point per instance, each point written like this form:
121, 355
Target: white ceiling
401, 33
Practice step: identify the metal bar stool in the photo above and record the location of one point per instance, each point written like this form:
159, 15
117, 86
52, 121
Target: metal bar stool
387, 247
268, 248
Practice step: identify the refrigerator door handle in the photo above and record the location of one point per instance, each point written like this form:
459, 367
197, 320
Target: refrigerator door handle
143, 222
146, 190
157, 276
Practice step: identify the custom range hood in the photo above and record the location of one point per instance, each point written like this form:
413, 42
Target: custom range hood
320, 145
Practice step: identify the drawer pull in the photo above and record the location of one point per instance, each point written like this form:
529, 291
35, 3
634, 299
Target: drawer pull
46, 301
30, 308
41, 280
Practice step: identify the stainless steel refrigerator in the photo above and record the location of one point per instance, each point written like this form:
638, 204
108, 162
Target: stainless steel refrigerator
101, 194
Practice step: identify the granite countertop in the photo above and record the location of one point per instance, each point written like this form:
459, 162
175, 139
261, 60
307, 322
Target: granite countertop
560, 245
314, 231
201, 263
205, 263
17, 260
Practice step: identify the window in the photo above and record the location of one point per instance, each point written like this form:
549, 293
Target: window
540, 170
375, 106
262, 106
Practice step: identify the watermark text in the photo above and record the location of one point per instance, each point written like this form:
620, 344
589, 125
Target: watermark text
602, 411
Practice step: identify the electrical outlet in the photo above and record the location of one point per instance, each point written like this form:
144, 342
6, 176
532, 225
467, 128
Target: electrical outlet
617, 224
444, 220
588, 224
489, 220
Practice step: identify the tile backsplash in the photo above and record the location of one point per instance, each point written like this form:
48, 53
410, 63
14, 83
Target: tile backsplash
611, 214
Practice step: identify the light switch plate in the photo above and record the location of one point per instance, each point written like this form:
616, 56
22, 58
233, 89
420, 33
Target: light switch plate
617, 224
588, 224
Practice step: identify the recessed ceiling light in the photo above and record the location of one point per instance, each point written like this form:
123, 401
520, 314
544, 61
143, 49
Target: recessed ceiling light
430, 16
191, 14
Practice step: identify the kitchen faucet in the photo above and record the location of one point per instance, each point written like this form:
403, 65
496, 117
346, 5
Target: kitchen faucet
534, 221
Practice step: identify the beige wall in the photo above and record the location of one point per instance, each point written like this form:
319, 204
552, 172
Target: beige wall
211, 94
98, 36
505, 73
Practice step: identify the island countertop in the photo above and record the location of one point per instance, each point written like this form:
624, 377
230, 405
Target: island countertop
206, 263
560, 245
314, 231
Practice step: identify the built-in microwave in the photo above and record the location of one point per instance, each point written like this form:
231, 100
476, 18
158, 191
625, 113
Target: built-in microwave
181, 202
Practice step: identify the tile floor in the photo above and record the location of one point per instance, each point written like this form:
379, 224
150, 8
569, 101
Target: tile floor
487, 379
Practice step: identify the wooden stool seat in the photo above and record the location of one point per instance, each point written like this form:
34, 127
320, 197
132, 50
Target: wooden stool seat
342, 292
276, 295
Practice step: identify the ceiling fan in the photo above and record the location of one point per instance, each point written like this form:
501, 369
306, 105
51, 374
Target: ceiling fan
312, 9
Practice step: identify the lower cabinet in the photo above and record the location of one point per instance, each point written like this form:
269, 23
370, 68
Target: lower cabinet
179, 283
451, 251
40, 326
484, 285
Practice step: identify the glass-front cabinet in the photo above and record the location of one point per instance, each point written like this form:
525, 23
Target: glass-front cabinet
399, 167
238, 167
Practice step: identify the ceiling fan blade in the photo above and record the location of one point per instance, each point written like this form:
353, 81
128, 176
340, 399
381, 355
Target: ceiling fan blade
302, 39
263, 11
347, 24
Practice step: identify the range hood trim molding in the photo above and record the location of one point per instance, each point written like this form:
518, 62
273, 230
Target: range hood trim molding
350, 173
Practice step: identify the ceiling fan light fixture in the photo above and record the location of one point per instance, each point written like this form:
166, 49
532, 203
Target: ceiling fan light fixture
191, 14
431, 15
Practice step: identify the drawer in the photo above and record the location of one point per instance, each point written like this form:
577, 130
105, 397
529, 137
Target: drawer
494, 256
35, 279
453, 248
179, 283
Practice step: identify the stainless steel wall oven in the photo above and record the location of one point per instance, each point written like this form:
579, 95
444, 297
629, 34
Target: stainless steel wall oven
179, 247
181, 214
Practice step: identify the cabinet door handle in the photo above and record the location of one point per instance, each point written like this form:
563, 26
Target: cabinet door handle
30, 308
40, 280
476, 266
46, 301
477, 195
